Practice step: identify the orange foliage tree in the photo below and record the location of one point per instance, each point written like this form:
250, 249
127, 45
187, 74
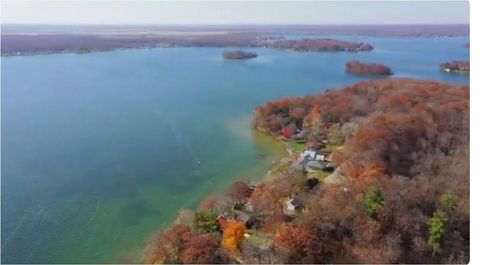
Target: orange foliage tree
233, 235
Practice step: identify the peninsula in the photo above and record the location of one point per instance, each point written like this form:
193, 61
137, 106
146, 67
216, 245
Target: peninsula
363, 184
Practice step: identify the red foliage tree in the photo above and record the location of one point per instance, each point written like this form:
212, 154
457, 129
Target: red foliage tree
180, 244
240, 191
202, 249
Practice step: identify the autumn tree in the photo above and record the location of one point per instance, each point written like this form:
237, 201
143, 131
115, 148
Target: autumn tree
180, 244
203, 249
233, 235
404, 163
240, 191
165, 247
296, 241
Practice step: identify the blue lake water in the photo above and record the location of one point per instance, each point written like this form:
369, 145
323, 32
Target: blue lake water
101, 150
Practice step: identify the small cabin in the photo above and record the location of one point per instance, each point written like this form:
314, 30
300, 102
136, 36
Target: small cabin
252, 184
292, 206
249, 221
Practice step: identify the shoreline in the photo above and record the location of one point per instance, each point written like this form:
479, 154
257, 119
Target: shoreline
261, 139
140, 47
341, 167
27, 40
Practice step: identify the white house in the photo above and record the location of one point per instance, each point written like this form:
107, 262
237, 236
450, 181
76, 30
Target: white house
312, 155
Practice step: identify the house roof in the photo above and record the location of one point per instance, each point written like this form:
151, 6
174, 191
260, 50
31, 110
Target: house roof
296, 203
309, 154
316, 165
242, 216
253, 184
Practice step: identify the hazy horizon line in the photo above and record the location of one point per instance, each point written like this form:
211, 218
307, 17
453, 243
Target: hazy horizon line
252, 24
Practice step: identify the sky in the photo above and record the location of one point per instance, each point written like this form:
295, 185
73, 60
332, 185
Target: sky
234, 12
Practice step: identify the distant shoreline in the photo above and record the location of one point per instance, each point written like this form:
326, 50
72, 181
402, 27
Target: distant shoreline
21, 40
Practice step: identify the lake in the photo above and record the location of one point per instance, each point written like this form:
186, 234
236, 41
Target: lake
101, 150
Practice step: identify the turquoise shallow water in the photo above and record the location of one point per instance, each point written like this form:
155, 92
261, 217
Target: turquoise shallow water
101, 150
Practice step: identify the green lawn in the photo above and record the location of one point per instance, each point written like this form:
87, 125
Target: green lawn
318, 175
299, 146
257, 238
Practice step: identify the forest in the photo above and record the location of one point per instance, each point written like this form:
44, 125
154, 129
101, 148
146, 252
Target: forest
320, 45
357, 67
400, 152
